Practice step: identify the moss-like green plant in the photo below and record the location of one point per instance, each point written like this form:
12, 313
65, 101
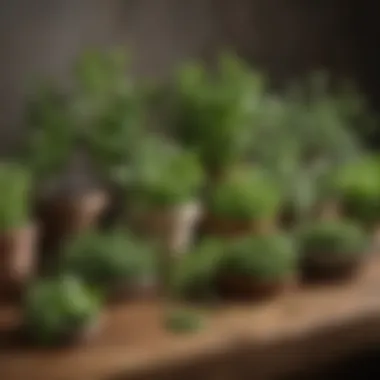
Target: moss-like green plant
214, 113
163, 175
194, 274
15, 187
183, 321
57, 309
105, 260
245, 196
269, 257
357, 187
334, 239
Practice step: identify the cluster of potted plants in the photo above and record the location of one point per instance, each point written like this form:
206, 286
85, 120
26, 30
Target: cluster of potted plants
204, 197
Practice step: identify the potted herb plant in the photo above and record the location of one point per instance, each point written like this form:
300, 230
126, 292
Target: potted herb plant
214, 113
59, 311
257, 266
115, 262
163, 187
65, 203
356, 187
194, 275
17, 230
243, 203
331, 250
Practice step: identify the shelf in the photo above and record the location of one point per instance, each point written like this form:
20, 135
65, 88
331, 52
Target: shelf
299, 329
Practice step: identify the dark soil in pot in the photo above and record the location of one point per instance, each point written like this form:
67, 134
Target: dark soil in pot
249, 288
325, 270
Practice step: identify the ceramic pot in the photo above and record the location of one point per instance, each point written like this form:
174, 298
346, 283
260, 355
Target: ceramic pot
17, 259
329, 268
244, 287
173, 228
67, 215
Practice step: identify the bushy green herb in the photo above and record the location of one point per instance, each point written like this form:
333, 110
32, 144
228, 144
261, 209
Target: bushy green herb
194, 274
357, 187
163, 175
55, 309
53, 132
109, 107
269, 257
105, 260
183, 321
245, 196
15, 187
333, 238
214, 113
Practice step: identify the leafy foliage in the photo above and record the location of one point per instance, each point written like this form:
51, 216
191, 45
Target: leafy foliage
245, 196
107, 259
57, 308
357, 186
109, 107
194, 275
305, 136
15, 187
268, 257
183, 321
214, 114
53, 134
335, 239
162, 175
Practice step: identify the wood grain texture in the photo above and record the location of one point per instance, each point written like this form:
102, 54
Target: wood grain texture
303, 328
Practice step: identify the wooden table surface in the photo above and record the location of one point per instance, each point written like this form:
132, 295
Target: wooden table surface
298, 329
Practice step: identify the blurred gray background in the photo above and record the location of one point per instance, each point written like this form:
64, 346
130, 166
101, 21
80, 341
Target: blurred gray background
285, 37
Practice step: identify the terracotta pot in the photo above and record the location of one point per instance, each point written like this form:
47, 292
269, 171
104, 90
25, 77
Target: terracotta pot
80, 335
212, 225
321, 269
67, 215
173, 227
244, 287
17, 259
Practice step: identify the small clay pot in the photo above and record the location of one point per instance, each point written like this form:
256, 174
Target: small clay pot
212, 225
17, 260
67, 215
324, 269
244, 287
173, 227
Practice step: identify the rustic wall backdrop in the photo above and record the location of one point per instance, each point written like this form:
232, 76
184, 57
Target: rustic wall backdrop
285, 37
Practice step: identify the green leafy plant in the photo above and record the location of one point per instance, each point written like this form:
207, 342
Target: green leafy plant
245, 196
183, 321
194, 274
357, 187
304, 136
15, 187
109, 108
53, 135
57, 309
334, 239
214, 113
107, 260
163, 175
269, 257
